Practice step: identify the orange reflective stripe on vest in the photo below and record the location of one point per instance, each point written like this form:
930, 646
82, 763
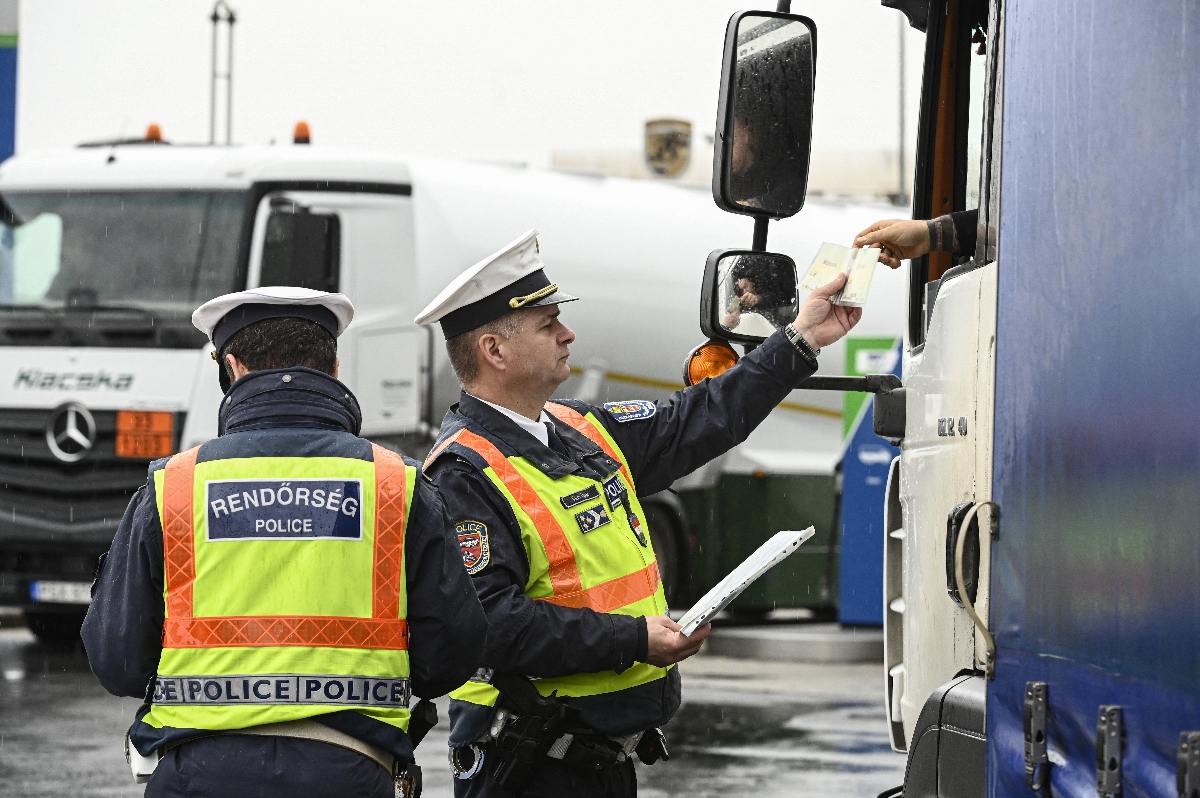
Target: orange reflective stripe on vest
575, 419
564, 574
615, 593
385, 630
389, 532
178, 541
564, 571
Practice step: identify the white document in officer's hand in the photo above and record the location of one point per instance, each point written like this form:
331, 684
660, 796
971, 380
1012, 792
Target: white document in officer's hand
857, 264
769, 554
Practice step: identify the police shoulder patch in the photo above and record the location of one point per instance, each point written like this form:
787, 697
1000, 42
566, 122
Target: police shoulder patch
631, 409
473, 543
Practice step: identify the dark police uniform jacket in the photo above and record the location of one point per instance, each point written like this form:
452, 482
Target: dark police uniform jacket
312, 415
662, 442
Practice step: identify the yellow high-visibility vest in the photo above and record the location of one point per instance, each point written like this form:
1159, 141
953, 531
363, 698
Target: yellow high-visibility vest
284, 588
606, 568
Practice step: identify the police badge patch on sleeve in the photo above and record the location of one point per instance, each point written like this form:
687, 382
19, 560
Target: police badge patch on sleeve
631, 409
473, 542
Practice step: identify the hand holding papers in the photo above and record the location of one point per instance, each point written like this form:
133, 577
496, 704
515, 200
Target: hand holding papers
857, 264
769, 554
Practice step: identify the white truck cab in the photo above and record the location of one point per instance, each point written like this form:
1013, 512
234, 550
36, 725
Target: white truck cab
107, 249
106, 252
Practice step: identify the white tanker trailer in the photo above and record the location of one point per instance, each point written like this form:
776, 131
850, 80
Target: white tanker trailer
108, 248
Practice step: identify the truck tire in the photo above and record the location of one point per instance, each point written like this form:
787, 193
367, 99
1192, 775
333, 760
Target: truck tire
57, 629
664, 535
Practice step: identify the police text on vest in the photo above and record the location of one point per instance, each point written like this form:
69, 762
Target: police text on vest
271, 509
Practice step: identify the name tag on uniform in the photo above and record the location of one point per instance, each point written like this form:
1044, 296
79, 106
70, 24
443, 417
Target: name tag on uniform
614, 489
580, 496
276, 509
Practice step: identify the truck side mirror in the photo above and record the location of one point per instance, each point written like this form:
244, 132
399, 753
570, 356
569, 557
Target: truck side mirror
764, 114
747, 295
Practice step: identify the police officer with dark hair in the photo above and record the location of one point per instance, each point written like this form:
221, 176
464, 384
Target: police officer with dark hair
278, 594
546, 500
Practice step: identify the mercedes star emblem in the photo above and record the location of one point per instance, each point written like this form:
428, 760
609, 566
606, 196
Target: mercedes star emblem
71, 432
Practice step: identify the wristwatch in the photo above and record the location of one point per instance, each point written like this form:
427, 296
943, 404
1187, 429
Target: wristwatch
806, 351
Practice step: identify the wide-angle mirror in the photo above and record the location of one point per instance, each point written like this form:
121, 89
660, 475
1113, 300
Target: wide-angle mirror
764, 117
747, 295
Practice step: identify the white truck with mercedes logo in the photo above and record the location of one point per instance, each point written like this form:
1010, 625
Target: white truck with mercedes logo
70, 432
106, 249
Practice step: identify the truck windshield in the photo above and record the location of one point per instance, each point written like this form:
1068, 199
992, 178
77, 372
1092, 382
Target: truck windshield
153, 255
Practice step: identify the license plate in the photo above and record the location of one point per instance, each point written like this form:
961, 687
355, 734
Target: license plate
61, 592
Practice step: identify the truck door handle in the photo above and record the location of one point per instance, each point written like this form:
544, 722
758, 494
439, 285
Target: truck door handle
968, 601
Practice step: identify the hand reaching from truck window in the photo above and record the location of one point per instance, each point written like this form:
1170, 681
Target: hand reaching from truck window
900, 239
904, 239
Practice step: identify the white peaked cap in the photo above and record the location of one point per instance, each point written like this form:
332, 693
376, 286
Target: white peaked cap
332, 311
512, 278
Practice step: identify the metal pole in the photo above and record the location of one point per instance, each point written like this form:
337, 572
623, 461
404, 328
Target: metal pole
229, 18
902, 190
784, 6
760, 234
212, 105
232, 18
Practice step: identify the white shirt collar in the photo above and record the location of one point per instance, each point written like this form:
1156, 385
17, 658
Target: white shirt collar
535, 428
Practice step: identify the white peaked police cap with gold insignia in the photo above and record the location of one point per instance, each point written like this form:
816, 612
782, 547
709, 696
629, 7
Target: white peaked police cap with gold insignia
220, 318
508, 280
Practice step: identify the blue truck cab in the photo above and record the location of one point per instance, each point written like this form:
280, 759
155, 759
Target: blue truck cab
1063, 342
1041, 567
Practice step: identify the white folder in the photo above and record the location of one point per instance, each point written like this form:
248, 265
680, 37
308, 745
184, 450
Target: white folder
768, 555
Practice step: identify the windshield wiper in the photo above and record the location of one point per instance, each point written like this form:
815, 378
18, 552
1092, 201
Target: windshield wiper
45, 309
59, 311
109, 307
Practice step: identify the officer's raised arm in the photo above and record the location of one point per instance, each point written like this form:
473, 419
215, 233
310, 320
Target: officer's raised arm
668, 440
545, 499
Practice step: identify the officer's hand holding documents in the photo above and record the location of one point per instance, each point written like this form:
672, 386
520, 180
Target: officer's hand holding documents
768, 555
857, 264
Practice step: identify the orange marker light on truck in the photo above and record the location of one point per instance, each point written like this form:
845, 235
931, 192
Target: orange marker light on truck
145, 434
300, 135
710, 359
154, 132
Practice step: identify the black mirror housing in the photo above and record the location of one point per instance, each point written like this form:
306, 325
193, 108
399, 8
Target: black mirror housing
747, 295
890, 414
763, 133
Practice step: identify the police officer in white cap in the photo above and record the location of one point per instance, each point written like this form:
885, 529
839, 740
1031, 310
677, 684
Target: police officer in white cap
545, 497
278, 594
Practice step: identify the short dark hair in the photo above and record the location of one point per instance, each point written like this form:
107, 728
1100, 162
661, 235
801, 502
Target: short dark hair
282, 343
464, 349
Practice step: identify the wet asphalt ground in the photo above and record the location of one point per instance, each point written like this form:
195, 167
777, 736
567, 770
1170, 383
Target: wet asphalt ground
746, 728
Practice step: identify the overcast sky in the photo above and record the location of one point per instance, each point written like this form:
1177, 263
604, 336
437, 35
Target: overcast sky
485, 80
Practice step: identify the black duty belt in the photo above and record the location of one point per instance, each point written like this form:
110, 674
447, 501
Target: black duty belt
530, 728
